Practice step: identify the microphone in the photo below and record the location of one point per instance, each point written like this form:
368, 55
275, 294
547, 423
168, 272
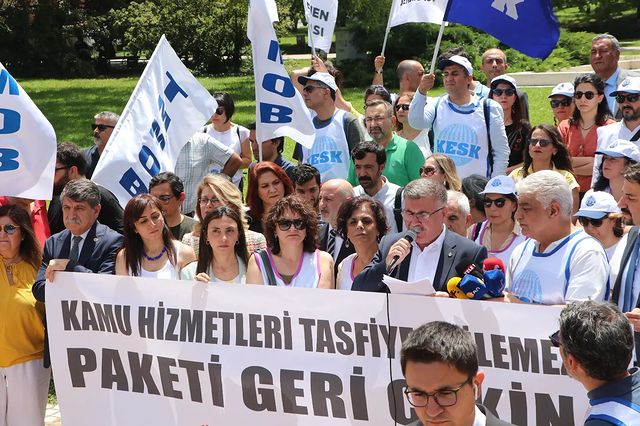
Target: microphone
454, 290
410, 236
494, 277
473, 287
491, 263
467, 267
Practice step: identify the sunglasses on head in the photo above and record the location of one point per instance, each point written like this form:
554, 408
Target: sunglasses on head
588, 94
101, 127
596, 223
541, 142
629, 98
555, 103
499, 202
404, 107
509, 92
285, 224
428, 171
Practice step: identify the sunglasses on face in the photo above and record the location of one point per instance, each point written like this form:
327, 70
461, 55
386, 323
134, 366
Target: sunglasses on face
588, 94
555, 339
541, 142
629, 98
309, 89
9, 229
428, 171
101, 127
285, 224
509, 92
596, 223
404, 107
499, 202
555, 103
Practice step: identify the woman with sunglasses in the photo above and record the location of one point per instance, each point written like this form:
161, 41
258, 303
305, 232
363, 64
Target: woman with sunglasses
223, 252
546, 151
579, 131
24, 381
601, 218
401, 111
217, 191
361, 221
441, 168
615, 158
561, 102
292, 258
230, 134
268, 184
500, 233
149, 249
504, 91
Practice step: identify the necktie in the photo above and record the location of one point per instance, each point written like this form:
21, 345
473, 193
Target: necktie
74, 253
629, 303
331, 242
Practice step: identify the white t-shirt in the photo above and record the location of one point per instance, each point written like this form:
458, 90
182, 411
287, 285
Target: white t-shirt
232, 138
387, 197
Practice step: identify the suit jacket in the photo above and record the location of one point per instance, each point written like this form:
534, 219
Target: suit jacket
98, 255
345, 250
626, 255
454, 249
492, 420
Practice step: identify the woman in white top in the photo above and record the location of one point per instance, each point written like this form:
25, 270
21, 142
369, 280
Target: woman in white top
230, 134
419, 136
615, 158
292, 258
149, 249
361, 221
223, 253
601, 218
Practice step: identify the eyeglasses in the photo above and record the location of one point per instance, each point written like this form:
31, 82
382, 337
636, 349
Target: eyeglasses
555, 103
596, 223
9, 228
61, 168
421, 216
285, 224
310, 88
499, 202
101, 127
206, 201
541, 142
376, 119
165, 198
588, 94
509, 91
444, 398
219, 111
428, 171
404, 107
629, 98
555, 339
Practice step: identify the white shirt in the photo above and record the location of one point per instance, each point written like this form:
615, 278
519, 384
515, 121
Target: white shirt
480, 419
423, 263
605, 136
386, 195
232, 138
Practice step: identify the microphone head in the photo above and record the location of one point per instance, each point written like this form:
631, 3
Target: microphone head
494, 279
453, 289
410, 235
491, 263
467, 267
473, 287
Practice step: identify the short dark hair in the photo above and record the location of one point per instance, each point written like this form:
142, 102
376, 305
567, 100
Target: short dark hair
297, 205
352, 204
177, 187
377, 89
472, 185
598, 336
225, 101
69, 154
440, 341
303, 173
367, 147
632, 173
279, 140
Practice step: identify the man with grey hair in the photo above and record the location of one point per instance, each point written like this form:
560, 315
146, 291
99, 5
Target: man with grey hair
435, 252
556, 264
84, 246
333, 193
458, 213
103, 125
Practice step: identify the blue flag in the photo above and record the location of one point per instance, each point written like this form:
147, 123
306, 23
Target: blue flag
529, 26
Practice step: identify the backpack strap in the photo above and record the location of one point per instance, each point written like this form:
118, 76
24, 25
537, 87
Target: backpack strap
268, 268
635, 137
485, 108
397, 208
432, 137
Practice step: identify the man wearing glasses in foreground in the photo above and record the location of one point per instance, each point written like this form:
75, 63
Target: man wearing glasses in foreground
103, 125
435, 251
440, 365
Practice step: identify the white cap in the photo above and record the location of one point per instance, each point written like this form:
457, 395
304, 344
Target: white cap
456, 60
503, 79
597, 204
322, 77
564, 89
500, 185
621, 148
628, 85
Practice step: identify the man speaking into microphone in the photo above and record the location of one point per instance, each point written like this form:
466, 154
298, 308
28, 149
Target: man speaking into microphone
430, 251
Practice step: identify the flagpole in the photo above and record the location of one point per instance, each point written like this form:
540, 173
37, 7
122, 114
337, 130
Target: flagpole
386, 32
437, 48
306, 16
259, 145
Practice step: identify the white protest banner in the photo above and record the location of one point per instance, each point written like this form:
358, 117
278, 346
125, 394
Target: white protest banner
321, 20
165, 109
405, 11
27, 144
280, 109
131, 351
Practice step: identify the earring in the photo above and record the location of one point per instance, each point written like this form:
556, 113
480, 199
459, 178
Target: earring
237, 242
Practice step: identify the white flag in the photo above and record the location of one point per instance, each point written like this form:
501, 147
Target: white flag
166, 108
321, 20
27, 144
404, 11
280, 109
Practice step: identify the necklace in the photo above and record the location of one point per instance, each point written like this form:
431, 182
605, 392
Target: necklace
588, 127
8, 267
164, 250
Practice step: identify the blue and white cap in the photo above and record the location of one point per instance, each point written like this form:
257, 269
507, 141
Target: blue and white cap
563, 89
621, 148
322, 77
504, 79
597, 204
500, 185
628, 85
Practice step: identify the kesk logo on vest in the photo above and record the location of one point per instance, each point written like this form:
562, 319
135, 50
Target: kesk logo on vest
325, 154
460, 142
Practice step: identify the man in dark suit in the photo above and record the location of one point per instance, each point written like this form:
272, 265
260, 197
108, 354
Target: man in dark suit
436, 251
84, 246
333, 193
440, 365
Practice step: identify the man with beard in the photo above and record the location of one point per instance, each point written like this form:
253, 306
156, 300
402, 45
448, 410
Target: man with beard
628, 99
370, 159
404, 157
306, 184
71, 165
103, 126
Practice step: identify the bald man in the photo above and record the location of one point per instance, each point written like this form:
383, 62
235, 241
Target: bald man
494, 63
333, 193
409, 73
